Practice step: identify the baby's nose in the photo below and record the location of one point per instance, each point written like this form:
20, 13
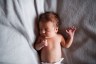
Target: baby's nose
43, 31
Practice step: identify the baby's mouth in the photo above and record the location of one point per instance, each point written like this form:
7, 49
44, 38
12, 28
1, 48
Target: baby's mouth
43, 35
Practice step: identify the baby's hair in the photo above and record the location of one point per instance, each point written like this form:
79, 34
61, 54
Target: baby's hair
50, 16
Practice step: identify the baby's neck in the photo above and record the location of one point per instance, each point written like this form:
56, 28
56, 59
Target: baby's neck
51, 36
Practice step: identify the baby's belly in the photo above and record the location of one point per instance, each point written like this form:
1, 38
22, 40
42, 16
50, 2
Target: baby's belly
51, 55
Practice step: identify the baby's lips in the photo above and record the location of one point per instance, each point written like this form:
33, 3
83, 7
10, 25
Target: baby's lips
43, 35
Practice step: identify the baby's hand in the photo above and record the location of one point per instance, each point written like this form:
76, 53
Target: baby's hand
71, 31
44, 43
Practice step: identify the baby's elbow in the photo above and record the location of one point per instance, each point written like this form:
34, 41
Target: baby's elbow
67, 46
36, 48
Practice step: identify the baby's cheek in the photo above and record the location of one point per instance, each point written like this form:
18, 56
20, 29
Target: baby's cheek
51, 34
47, 33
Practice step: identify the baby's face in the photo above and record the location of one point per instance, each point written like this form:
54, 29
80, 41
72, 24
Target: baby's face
47, 29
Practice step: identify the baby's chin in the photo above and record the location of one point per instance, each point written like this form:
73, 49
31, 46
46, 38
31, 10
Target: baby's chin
47, 36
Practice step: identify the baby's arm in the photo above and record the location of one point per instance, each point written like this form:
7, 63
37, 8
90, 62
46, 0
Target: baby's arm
40, 43
69, 41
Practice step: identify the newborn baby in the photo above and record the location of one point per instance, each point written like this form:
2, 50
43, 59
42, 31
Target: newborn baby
49, 42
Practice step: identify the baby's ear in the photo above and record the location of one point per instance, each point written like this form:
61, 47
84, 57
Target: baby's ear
56, 29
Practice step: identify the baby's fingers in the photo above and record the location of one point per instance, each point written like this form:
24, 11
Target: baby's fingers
73, 29
67, 31
46, 44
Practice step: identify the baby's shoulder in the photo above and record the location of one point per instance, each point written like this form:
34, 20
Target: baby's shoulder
60, 35
61, 38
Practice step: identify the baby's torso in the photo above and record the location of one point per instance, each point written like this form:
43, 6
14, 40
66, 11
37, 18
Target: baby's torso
52, 52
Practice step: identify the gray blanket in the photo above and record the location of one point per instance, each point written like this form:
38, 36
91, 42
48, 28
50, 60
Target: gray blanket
17, 34
82, 15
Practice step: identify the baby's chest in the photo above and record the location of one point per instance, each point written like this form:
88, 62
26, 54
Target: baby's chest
52, 43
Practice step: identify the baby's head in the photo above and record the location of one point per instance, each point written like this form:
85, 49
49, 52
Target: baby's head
48, 24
